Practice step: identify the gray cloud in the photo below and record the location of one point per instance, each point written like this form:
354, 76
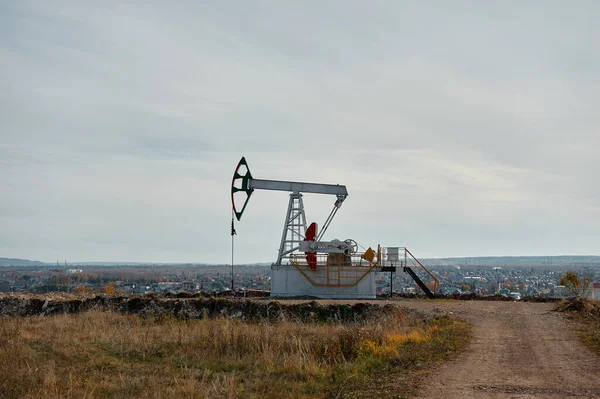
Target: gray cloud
459, 128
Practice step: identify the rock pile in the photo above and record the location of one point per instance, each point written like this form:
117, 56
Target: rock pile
579, 304
194, 308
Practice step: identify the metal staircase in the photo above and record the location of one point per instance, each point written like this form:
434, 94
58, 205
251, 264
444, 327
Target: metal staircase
393, 258
419, 282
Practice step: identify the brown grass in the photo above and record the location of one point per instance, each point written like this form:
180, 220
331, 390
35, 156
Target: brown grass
586, 314
103, 354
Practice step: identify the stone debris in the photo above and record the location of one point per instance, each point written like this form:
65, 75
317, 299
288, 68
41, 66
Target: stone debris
191, 308
579, 304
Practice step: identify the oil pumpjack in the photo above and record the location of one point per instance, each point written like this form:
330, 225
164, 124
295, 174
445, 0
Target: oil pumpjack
306, 264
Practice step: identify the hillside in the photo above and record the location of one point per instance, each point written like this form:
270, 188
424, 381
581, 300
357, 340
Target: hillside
516, 261
20, 262
492, 261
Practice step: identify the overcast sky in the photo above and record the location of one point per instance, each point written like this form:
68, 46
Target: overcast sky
461, 128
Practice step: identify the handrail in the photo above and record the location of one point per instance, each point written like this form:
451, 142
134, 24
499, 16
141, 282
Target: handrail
360, 270
335, 274
419, 282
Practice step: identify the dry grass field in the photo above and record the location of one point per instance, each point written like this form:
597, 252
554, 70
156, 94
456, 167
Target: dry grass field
586, 315
100, 354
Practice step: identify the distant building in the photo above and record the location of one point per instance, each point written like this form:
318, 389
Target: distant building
560, 291
5, 286
74, 271
190, 286
594, 292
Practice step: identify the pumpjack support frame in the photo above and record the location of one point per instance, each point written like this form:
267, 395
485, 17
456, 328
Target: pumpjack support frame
294, 229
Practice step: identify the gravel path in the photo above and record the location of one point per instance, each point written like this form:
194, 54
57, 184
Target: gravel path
519, 350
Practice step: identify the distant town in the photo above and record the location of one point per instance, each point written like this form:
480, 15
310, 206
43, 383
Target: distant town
515, 276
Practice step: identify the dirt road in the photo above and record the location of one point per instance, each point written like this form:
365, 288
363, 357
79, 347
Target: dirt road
519, 350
